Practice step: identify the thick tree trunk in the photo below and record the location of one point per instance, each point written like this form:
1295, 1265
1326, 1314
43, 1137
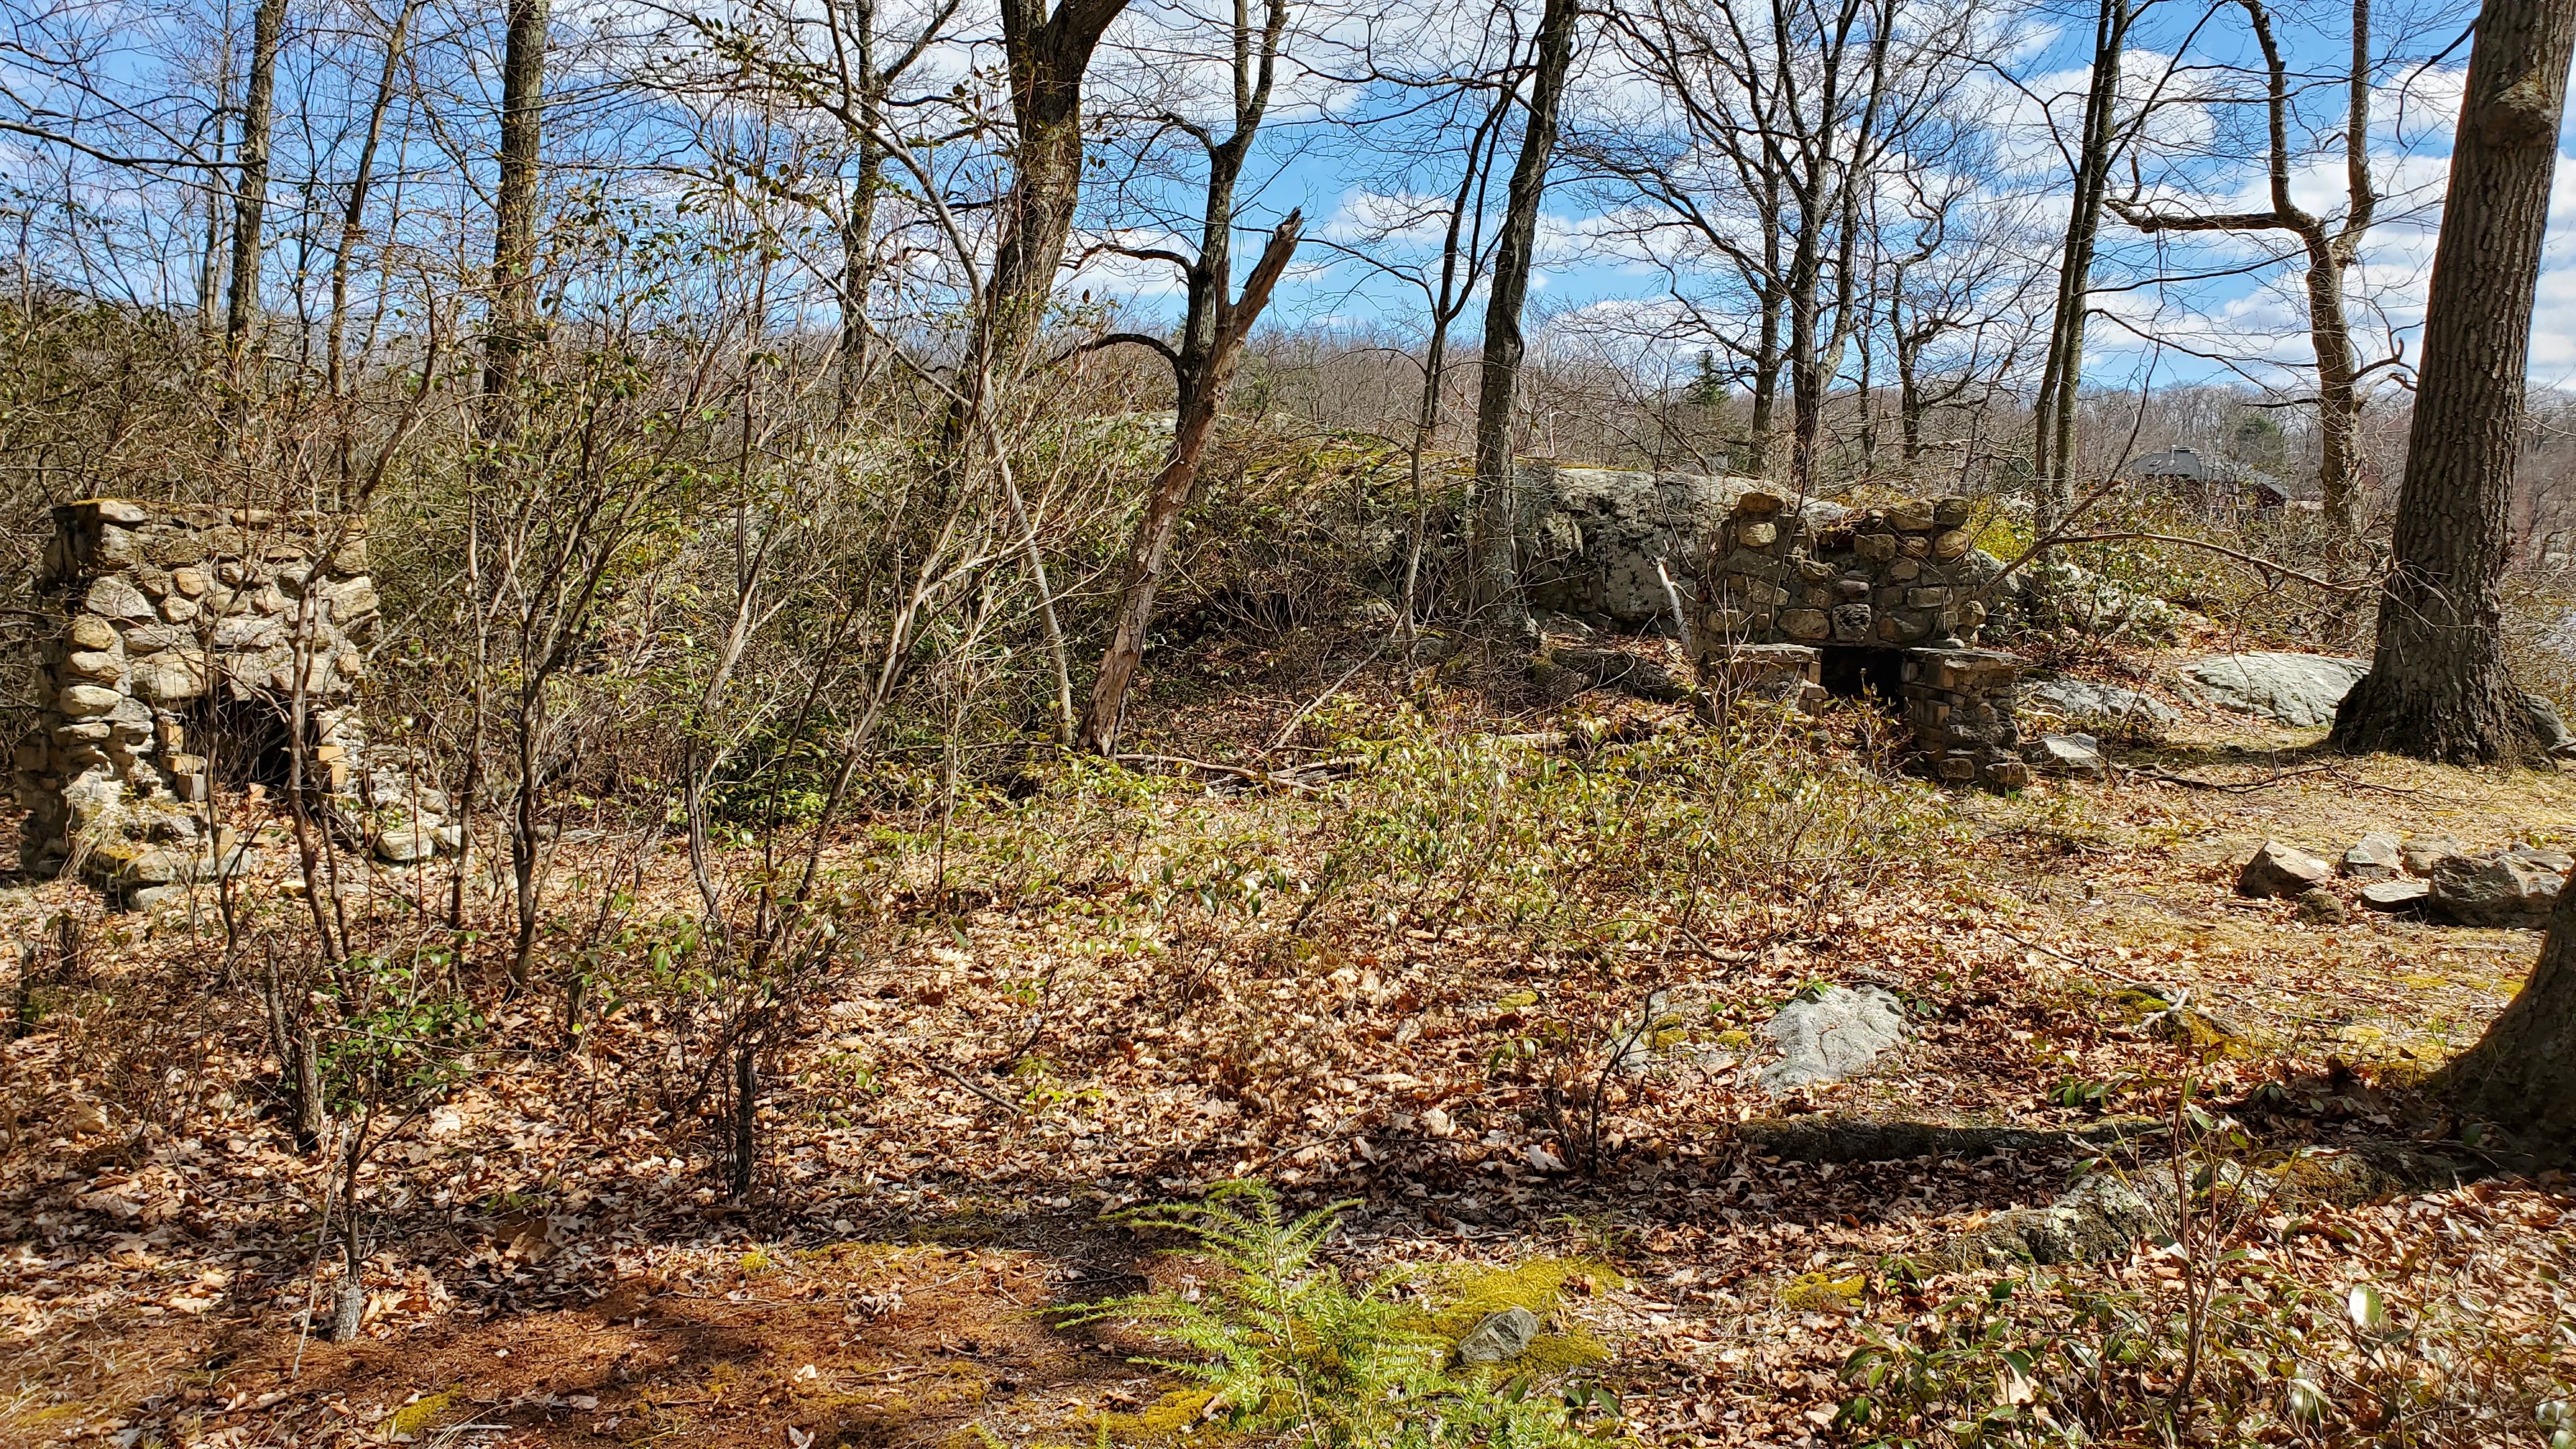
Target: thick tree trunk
514, 206
2522, 1074
250, 201
1048, 55
1766, 387
1498, 503
1170, 494
2438, 687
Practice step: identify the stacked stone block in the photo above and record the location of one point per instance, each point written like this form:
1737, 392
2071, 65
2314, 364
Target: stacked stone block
1784, 584
1959, 703
1889, 578
150, 614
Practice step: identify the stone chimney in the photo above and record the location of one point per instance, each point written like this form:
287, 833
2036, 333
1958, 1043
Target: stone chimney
169, 649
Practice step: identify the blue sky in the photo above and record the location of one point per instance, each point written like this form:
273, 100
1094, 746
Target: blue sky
2170, 319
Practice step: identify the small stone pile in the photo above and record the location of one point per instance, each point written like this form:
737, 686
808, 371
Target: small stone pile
154, 621
1960, 705
1889, 578
2515, 886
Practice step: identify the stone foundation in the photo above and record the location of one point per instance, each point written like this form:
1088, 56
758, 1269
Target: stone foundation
1959, 703
169, 651
1886, 578
1785, 584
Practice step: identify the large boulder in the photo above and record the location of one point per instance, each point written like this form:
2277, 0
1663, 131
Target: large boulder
1834, 1034
2281, 870
2493, 890
2298, 690
1593, 536
2550, 725
2086, 702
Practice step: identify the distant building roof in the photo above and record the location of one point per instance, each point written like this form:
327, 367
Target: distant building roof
2194, 466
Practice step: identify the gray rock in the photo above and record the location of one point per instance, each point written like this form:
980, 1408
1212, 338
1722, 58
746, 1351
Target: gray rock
2424, 852
2493, 890
2280, 870
2299, 690
2108, 704
2067, 755
2556, 861
2098, 1219
1596, 534
2377, 856
116, 597
1835, 1034
2395, 897
2551, 725
406, 844
1501, 1338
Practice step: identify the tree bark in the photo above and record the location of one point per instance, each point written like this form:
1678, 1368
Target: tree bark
2522, 1074
1170, 493
1498, 504
250, 202
858, 272
514, 207
2062, 374
1048, 56
2438, 686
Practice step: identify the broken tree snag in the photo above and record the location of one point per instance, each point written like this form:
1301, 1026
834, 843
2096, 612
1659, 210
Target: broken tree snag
1171, 489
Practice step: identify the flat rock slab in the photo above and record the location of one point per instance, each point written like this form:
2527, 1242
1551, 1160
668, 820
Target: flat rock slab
2068, 755
2281, 870
1836, 1034
2082, 699
2298, 690
2395, 897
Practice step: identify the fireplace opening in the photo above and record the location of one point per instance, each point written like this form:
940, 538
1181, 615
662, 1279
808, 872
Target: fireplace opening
1854, 673
244, 742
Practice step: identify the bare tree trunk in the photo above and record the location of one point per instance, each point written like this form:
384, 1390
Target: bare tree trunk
1048, 55
2438, 687
1171, 492
858, 272
514, 210
1498, 504
250, 202
2062, 373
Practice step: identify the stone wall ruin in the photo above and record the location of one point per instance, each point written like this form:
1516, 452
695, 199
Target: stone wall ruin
170, 643
1795, 601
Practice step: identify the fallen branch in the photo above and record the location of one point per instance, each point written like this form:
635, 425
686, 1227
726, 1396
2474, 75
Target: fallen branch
959, 1078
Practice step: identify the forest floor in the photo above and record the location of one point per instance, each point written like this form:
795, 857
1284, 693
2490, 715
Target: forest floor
1366, 980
